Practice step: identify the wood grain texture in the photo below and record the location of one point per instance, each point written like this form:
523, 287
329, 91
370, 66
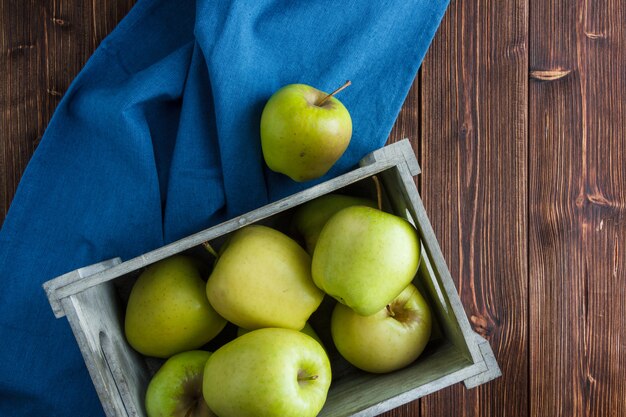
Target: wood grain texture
43, 45
21, 41
519, 121
407, 124
577, 206
474, 163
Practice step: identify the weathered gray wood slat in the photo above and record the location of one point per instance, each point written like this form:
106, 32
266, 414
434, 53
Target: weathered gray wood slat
52, 286
119, 373
90, 300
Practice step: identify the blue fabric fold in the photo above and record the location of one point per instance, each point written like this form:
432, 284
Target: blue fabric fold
158, 138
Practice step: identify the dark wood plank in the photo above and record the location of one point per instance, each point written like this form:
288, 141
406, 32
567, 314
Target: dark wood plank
43, 45
577, 206
407, 124
21, 45
474, 161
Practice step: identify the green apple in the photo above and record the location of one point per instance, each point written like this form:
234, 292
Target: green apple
263, 279
388, 340
365, 257
310, 218
307, 329
168, 311
176, 389
304, 131
268, 373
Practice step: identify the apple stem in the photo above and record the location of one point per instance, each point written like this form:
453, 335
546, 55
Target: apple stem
210, 249
379, 192
391, 313
308, 378
347, 84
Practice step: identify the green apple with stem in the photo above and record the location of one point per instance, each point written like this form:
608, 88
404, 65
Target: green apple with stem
176, 388
387, 340
365, 257
262, 278
304, 131
268, 373
310, 218
168, 311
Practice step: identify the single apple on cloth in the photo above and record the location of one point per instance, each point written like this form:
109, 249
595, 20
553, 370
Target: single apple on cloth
158, 137
304, 131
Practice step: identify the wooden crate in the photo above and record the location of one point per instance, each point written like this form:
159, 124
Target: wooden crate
93, 300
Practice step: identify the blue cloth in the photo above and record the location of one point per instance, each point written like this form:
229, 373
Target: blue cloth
158, 137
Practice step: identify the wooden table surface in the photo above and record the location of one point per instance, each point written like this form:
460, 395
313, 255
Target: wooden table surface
518, 118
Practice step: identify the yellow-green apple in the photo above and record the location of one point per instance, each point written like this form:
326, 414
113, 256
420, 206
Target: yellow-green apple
263, 279
268, 373
304, 131
310, 218
365, 257
388, 340
168, 311
176, 389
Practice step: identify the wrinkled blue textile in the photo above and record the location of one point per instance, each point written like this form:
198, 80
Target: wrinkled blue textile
158, 137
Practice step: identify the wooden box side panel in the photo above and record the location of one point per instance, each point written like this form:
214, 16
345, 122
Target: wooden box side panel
118, 372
